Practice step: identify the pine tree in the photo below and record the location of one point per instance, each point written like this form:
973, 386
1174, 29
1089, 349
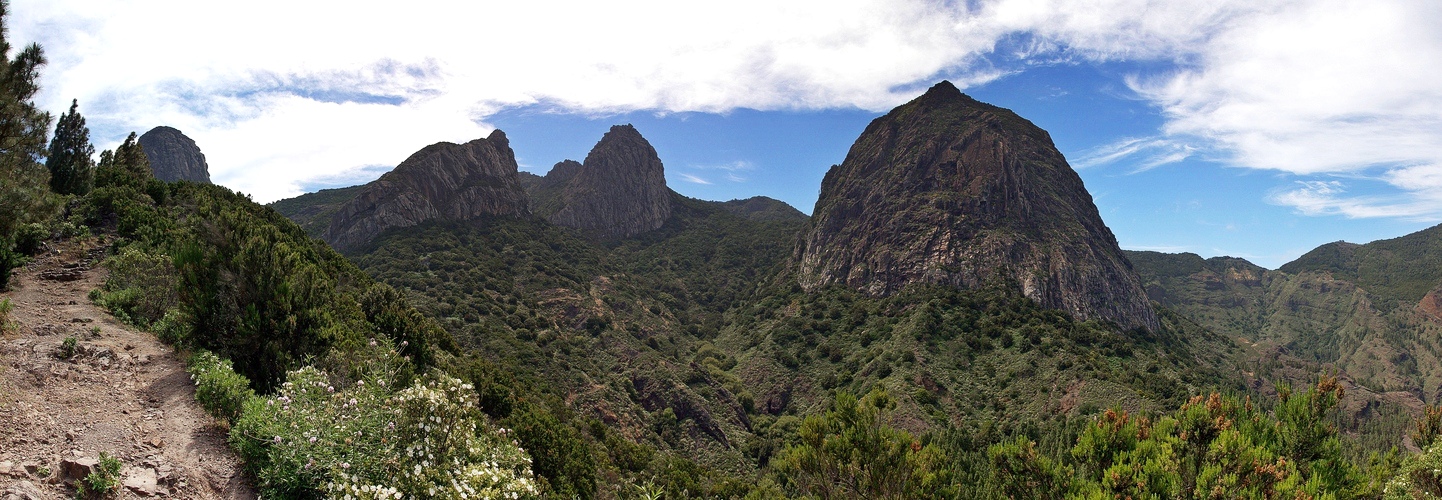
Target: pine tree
72, 171
126, 165
24, 196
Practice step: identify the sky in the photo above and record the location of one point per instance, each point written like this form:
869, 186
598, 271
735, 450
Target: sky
1221, 127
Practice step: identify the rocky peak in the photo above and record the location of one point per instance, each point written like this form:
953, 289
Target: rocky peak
173, 156
618, 192
946, 189
443, 181
561, 174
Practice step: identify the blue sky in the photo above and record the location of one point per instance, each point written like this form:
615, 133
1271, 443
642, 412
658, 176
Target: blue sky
1227, 127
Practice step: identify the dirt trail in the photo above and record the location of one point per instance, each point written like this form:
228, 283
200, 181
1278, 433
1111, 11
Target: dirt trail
123, 392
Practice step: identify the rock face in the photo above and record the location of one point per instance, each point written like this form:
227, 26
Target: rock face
619, 191
442, 181
173, 156
949, 190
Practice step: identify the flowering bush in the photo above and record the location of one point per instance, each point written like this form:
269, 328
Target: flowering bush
371, 441
446, 451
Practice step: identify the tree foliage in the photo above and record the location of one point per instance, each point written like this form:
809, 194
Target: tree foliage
851, 452
24, 195
1212, 447
72, 170
126, 165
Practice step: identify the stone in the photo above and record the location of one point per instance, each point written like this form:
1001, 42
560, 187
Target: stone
142, 481
75, 469
22, 490
173, 156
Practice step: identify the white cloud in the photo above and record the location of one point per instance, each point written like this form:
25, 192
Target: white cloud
280, 93
1315, 197
1321, 87
694, 179
1147, 152
238, 77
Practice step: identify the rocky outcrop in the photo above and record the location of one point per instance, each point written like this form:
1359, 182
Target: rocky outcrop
619, 191
443, 181
949, 190
173, 156
546, 192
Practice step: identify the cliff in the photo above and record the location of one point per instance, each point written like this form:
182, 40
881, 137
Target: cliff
945, 189
619, 191
173, 156
443, 181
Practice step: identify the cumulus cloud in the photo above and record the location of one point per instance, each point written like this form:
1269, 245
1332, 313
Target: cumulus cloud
282, 95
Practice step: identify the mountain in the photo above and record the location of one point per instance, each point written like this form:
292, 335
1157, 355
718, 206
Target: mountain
443, 181
949, 190
1322, 313
619, 191
313, 211
545, 192
173, 156
1394, 271
763, 208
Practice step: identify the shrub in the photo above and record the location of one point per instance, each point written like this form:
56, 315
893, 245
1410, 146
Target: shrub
368, 440
172, 328
141, 287
6, 326
67, 347
852, 451
103, 481
218, 389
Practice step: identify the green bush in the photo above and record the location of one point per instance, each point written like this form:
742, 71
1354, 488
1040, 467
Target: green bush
6, 326
141, 288
851, 452
103, 481
562, 457
29, 238
67, 347
369, 440
218, 389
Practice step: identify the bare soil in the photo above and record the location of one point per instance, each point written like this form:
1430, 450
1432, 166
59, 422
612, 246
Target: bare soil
122, 392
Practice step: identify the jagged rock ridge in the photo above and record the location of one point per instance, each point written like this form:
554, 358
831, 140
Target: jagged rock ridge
442, 181
173, 156
949, 190
619, 191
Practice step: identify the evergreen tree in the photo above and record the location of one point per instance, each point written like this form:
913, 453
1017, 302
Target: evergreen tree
24, 197
126, 165
71, 169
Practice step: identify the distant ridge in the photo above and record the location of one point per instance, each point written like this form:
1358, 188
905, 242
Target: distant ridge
442, 181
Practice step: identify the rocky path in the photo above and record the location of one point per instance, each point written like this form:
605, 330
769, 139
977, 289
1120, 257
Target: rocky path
121, 392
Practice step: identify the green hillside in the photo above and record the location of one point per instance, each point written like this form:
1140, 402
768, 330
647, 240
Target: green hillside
312, 211
1395, 272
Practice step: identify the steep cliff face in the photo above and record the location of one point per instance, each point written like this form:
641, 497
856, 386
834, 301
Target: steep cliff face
442, 181
949, 190
173, 156
619, 191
